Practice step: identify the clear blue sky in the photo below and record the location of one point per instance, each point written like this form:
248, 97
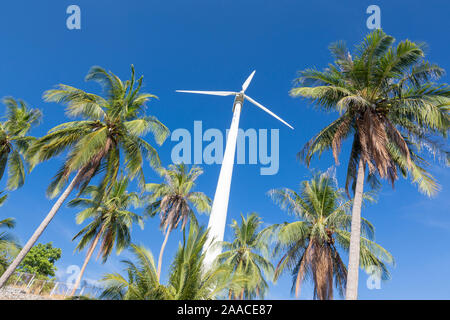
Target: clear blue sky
213, 45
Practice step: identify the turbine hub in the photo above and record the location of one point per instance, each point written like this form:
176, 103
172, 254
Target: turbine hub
239, 98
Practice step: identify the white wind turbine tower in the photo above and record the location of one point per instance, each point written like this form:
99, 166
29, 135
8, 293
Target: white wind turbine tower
218, 217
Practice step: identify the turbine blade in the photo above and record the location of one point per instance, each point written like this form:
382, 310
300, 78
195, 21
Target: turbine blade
247, 82
268, 111
214, 93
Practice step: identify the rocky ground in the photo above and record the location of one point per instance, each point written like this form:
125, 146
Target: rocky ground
10, 293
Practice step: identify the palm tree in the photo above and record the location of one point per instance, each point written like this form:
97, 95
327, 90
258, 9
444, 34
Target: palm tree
14, 141
9, 246
187, 279
142, 282
247, 254
389, 106
173, 200
3, 197
310, 245
112, 126
111, 221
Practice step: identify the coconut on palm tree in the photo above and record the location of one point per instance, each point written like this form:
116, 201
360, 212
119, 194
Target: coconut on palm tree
389, 107
14, 141
174, 200
111, 127
187, 279
111, 221
311, 246
248, 255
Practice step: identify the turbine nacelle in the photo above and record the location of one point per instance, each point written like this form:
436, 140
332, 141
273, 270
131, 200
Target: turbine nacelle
239, 97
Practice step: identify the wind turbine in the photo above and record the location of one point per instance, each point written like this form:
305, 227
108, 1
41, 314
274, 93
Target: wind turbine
218, 217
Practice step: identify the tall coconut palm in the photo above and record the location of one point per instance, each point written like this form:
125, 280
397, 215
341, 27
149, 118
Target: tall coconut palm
111, 221
248, 255
311, 245
187, 279
14, 142
174, 200
112, 126
391, 110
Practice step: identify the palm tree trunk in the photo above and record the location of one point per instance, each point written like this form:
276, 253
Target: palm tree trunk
86, 261
355, 237
12, 267
162, 251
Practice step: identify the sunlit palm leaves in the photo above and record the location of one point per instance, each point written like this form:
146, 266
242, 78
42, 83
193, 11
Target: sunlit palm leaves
3, 198
14, 142
311, 246
142, 282
187, 280
110, 217
113, 126
390, 106
248, 255
387, 103
174, 199
9, 245
111, 220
